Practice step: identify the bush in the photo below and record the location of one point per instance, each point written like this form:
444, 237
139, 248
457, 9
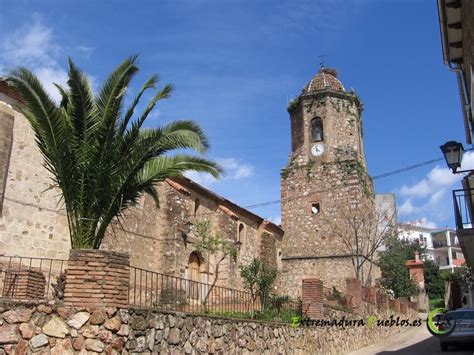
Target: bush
59, 286
437, 303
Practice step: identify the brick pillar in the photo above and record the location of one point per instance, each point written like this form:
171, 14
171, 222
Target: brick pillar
396, 305
354, 291
97, 278
312, 298
391, 304
26, 284
384, 302
373, 295
403, 305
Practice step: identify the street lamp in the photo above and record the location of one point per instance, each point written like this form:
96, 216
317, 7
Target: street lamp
453, 152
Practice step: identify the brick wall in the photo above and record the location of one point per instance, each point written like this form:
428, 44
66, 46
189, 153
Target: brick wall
97, 278
24, 284
354, 290
312, 298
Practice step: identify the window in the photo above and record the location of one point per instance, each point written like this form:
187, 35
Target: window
317, 129
197, 204
6, 132
240, 236
315, 208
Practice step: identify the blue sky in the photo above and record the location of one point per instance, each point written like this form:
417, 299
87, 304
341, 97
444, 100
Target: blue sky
235, 64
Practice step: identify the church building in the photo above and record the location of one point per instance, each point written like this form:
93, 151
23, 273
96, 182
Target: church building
326, 173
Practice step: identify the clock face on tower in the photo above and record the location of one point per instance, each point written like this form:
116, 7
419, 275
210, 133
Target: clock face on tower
317, 149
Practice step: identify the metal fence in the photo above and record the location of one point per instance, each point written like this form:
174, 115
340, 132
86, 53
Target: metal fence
25, 278
155, 290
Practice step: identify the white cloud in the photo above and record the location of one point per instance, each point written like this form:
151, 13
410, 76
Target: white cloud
233, 168
51, 75
85, 51
33, 46
437, 178
200, 178
429, 199
424, 222
155, 114
406, 208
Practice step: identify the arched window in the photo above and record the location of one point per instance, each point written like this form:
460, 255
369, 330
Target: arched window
197, 204
6, 137
240, 236
317, 129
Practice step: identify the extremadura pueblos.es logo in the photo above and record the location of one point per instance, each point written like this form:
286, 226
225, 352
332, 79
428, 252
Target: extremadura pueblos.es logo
439, 323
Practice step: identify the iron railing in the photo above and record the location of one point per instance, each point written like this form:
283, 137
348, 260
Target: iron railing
156, 290
463, 208
32, 279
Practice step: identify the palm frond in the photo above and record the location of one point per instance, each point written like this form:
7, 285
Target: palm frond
103, 162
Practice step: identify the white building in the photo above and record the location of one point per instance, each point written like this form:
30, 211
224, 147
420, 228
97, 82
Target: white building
441, 245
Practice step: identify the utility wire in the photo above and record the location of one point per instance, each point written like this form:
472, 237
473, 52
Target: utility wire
376, 177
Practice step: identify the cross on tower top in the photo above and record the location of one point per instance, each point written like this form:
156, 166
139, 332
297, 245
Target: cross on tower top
322, 57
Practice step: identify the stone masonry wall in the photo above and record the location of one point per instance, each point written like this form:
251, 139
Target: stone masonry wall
154, 237
334, 180
31, 220
55, 329
6, 140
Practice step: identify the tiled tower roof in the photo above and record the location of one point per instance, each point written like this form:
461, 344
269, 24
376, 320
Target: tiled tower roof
325, 79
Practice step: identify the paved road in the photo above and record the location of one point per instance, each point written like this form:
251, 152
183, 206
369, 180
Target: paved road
414, 341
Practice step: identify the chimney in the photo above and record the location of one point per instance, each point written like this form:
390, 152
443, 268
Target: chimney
417, 256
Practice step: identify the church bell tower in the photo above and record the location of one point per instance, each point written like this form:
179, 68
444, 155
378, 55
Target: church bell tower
326, 170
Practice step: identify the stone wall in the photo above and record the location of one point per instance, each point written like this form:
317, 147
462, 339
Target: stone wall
31, 220
332, 271
156, 239
331, 182
55, 329
6, 140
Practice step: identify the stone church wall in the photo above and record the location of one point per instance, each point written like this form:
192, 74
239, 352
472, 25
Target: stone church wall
31, 222
155, 240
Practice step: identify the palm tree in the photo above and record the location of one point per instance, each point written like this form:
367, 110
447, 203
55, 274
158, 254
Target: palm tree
99, 154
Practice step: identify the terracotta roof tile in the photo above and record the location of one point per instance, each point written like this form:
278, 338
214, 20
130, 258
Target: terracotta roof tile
228, 211
178, 186
325, 79
414, 263
9, 91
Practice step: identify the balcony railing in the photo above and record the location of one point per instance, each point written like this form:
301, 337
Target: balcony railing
438, 244
463, 208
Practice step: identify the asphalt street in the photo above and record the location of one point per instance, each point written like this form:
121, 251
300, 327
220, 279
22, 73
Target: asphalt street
413, 341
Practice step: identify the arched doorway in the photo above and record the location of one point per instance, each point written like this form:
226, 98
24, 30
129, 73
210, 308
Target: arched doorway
194, 274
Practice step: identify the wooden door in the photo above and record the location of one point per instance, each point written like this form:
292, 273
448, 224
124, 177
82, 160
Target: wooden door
194, 266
